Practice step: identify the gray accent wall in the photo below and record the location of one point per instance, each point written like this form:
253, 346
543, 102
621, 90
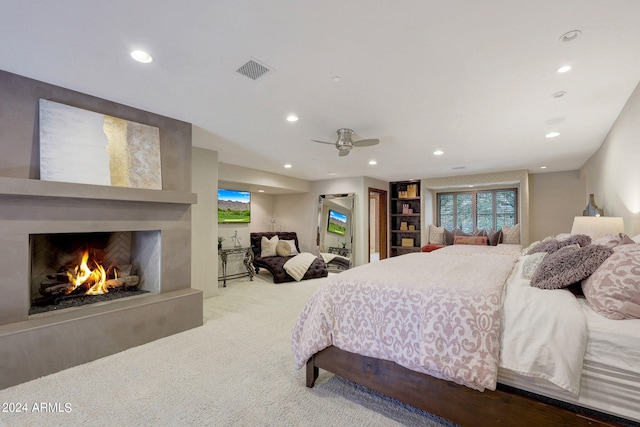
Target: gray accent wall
32, 346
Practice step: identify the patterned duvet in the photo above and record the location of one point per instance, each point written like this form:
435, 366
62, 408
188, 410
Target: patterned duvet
437, 313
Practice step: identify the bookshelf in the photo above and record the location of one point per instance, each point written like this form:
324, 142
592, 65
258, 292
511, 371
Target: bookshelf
405, 217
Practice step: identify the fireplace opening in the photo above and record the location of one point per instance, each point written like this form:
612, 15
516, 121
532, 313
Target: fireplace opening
74, 269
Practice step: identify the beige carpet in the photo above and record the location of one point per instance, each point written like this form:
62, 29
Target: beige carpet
236, 370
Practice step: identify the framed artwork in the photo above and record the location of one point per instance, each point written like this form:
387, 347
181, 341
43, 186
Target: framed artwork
86, 147
234, 206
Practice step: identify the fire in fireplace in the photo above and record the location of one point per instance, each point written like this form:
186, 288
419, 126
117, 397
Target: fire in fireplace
72, 269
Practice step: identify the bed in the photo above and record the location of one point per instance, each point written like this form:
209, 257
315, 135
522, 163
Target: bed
577, 377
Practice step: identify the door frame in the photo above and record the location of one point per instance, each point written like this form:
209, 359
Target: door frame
382, 230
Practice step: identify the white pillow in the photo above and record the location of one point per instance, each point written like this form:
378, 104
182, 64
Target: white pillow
511, 235
268, 246
292, 243
531, 246
531, 264
436, 235
283, 248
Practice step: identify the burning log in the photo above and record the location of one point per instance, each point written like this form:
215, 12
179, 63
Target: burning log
127, 282
53, 290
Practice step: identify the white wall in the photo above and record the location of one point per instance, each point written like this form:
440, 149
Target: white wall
613, 174
262, 211
204, 217
555, 199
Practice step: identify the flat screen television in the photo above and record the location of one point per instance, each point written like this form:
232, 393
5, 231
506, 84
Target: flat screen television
337, 222
234, 206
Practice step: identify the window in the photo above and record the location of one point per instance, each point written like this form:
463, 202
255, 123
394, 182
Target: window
483, 209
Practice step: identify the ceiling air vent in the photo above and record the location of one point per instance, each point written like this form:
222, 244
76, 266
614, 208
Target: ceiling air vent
253, 69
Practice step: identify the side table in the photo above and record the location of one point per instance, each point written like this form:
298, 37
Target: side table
247, 261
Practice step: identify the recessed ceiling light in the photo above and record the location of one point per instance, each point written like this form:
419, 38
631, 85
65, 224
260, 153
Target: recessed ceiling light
292, 118
141, 56
570, 36
438, 153
543, 167
564, 69
260, 191
373, 162
559, 94
336, 79
288, 166
552, 134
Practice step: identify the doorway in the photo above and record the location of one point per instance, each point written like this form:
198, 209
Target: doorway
377, 224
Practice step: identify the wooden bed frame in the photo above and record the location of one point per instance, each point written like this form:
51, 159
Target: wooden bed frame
445, 399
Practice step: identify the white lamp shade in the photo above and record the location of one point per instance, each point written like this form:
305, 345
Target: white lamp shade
597, 226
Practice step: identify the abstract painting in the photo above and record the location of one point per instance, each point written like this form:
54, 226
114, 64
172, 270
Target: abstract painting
85, 147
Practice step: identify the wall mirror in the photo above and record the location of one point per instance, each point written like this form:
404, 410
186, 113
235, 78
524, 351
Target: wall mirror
335, 230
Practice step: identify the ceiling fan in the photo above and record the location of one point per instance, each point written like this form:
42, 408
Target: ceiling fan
344, 144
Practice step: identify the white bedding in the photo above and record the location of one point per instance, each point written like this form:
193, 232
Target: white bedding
501, 249
610, 371
544, 332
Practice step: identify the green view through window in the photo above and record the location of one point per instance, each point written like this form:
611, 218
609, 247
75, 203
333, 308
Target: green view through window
482, 209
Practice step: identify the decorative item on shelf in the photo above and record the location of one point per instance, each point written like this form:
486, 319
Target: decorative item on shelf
410, 211
220, 240
407, 242
403, 226
236, 239
402, 194
405, 208
592, 209
412, 227
412, 191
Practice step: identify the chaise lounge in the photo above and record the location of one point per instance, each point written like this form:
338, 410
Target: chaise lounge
275, 264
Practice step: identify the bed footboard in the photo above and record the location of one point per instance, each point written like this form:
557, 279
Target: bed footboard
448, 400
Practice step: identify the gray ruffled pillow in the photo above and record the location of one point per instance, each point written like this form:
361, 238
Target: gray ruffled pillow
569, 265
550, 246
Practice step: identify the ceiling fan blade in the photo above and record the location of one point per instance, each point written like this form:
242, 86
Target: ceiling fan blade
344, 153
323, 142
365, 142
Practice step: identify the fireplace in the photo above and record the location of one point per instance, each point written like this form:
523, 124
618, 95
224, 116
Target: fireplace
38, 215
74, 269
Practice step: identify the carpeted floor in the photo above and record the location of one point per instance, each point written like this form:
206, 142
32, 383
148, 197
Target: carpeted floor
236, 370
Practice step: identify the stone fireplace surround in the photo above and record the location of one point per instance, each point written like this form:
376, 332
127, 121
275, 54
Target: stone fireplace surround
33, 346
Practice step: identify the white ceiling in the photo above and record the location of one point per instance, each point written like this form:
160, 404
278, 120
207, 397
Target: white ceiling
473, 78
